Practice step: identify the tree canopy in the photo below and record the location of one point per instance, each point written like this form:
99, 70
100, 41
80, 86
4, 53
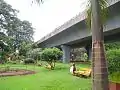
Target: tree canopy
13, 31
50, 55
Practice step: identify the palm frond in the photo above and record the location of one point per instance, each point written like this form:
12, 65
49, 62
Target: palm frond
38, 1
103, 12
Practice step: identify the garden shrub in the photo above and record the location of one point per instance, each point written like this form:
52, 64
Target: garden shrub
29, 61
85, 57
113, 57
113, 45
115, 77
50, 55
34, 53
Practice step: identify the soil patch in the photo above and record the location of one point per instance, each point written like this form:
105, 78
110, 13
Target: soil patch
16, 72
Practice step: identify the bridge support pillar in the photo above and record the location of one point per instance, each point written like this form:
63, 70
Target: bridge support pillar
66, 53
89, 52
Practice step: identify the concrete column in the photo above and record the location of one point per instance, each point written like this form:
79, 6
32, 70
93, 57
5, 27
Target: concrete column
66, 53
89, 52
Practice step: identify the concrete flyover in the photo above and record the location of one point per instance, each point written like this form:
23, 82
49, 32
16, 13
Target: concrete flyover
75, 32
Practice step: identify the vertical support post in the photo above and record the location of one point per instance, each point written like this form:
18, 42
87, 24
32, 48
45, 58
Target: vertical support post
66, 53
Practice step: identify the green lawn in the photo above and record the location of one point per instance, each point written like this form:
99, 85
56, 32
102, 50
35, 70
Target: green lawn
58, 79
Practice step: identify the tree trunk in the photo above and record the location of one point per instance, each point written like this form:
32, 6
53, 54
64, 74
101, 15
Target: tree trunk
54, 63
51, 64
99, 65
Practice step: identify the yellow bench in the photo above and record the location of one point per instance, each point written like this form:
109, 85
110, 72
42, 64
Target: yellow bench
83, 72
48, 66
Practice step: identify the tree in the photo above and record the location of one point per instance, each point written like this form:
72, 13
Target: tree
13, 31
24, 48
20, 31
34, 53
27, 31
4, 49
99, 67
50, 55
6, 14
4, 46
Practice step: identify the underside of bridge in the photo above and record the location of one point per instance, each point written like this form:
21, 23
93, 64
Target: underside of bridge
86, 43
110, 36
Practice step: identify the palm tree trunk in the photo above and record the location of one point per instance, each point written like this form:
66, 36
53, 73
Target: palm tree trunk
99, 66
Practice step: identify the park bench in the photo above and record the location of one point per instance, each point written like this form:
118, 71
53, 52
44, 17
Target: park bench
84, 72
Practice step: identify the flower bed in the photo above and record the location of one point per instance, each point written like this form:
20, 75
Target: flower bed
16, 72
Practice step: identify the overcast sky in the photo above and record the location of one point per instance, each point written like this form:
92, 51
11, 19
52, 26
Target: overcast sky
49, 15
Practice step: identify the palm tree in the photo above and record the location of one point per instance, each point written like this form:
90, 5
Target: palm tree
96, 12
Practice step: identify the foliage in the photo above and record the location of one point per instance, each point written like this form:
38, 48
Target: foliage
6, 14
4, 49
13, 31
21, 31
50, 55
78, 54
103, 11
3, 41
113, 45
85, 57
38, 1
29, 61
34, 53
113, 57
24, 48
115, 77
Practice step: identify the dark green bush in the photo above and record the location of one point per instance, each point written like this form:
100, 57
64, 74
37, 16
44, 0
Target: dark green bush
113, 57
29, 61
113, 45
115, 77
50, 54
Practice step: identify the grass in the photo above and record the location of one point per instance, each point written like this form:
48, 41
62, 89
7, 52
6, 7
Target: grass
44, 79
